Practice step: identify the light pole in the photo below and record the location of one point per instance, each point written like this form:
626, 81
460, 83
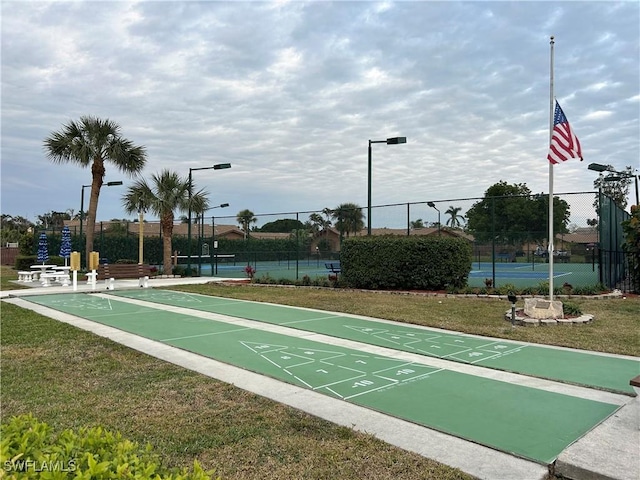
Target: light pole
218, 166
212, 250
614, 175
433, 205
108, 184
141, 211
388, 141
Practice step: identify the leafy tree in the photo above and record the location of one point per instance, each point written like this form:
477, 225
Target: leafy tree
511, 214
12, 229
94, 142
245, 218
166, 193
283, 225
455, 220
414, 224
349, 218
631, 229
118, 227
52, 220
614, 186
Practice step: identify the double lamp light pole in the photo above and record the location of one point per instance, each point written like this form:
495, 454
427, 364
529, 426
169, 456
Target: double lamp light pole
219, 166
614, 175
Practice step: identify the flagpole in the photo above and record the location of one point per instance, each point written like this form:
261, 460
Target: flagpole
551, 234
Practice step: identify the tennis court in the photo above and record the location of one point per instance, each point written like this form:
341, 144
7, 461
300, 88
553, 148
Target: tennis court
527, 422
531, 274
517, 274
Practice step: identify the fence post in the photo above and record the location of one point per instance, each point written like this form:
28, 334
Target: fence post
493, 241
408, 219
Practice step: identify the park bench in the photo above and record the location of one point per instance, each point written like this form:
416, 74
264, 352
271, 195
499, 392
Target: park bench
28, 276
635, 383
113, 271
61, 277
334, 268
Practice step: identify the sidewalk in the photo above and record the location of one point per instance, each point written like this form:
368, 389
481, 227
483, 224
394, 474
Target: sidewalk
608, 451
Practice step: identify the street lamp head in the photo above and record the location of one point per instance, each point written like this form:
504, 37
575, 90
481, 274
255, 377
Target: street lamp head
432, 205
224, 205
396, 140
113, 184
598, 167
221, 166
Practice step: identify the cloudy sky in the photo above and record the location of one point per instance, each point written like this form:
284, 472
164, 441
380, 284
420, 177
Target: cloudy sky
290, 93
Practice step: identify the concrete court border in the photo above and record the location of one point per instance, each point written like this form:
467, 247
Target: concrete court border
479, 461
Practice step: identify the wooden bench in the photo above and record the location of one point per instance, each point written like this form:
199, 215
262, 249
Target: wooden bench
635, 383
123, 270
335, 270
109, 271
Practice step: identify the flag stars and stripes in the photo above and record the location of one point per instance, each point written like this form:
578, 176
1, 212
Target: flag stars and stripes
564, 143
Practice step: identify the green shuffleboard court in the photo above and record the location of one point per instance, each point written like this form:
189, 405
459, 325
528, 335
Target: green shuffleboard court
523, 421
580, 368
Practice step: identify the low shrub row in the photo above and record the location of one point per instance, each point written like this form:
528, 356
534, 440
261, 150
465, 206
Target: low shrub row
31, 450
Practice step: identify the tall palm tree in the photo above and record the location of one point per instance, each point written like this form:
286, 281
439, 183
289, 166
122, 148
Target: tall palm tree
166, 193
245, 218
349, 218
94, 142
454, 220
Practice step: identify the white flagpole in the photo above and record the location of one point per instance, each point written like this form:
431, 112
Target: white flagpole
551, 235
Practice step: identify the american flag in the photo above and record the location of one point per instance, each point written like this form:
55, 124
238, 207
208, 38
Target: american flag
564, 144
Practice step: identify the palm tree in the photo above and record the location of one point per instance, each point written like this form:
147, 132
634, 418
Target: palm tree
166, 193
454, 219
92, 142
318, 223
349, 218
245, 218
415, 224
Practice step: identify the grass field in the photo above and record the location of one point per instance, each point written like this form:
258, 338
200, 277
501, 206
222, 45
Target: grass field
70, 378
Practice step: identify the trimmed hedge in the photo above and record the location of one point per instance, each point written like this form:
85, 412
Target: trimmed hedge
24, 262
31, 450
408, 263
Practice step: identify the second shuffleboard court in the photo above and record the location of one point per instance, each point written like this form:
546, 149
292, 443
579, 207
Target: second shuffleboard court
580, 368
490, 412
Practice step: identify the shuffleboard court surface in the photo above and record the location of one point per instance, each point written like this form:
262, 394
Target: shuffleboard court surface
523, 421
575, 367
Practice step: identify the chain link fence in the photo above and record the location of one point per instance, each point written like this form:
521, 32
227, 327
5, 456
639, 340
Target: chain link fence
509, 236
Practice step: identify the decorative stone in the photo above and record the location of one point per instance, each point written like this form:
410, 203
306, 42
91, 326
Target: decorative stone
545, 322
565, 321
543, 309
529, 322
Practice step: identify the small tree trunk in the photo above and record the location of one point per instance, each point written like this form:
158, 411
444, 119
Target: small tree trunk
167, 232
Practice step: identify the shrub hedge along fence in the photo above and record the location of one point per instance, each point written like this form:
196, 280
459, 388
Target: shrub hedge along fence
429, 263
